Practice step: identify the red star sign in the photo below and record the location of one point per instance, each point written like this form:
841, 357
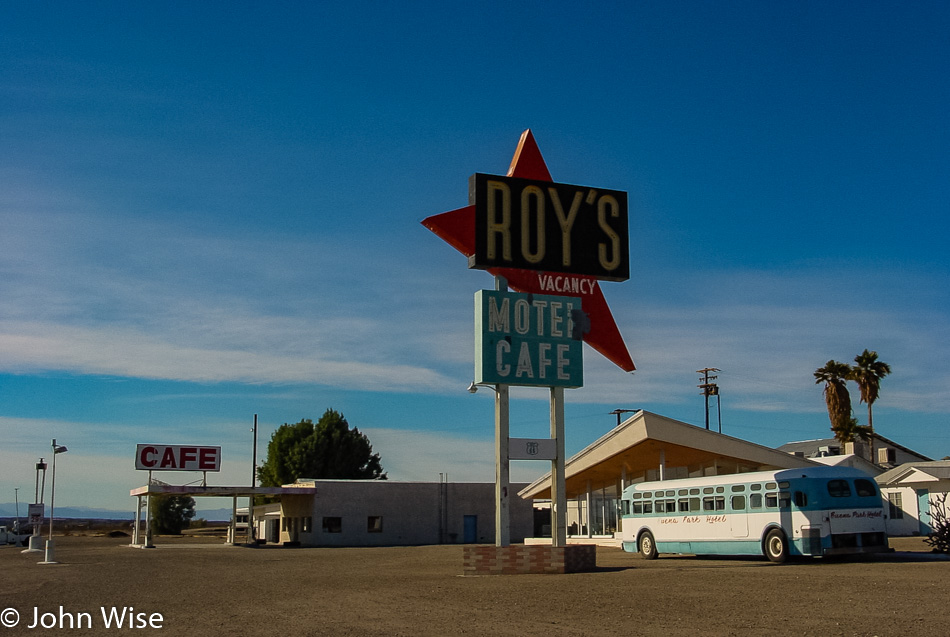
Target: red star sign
457, 228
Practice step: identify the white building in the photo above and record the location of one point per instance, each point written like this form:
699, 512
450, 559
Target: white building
912, 490
888, 454
393, 513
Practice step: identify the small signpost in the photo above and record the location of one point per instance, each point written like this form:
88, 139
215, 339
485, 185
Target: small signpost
538, 236
36, 512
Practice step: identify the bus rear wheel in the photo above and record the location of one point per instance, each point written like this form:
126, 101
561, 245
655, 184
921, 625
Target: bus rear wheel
776, 546
648, 546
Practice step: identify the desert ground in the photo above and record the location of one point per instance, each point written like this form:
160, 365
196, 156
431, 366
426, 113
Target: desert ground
199, 586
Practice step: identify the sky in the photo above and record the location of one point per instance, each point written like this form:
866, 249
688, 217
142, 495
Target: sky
212, 210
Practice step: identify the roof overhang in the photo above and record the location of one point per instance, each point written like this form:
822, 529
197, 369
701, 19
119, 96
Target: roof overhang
219, 492
645, 440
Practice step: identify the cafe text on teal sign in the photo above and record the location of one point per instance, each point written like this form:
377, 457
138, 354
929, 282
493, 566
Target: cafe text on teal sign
528, 339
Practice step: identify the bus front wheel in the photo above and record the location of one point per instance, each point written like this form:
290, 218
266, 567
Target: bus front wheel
776, 546
648, 546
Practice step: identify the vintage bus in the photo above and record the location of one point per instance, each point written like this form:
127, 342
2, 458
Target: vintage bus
813, 511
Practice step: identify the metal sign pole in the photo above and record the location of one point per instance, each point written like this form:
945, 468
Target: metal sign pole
502, 513
148, 512
558, 492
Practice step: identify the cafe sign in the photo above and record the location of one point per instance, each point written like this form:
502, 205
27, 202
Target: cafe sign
532, 340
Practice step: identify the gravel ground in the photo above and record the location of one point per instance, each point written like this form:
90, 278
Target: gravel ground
200, 588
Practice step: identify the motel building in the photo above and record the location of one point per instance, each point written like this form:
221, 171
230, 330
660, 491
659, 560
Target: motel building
645, 447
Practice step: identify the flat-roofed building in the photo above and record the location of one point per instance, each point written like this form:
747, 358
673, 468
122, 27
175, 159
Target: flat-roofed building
394, 513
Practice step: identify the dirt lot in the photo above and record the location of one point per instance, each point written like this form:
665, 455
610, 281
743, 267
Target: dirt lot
212, 589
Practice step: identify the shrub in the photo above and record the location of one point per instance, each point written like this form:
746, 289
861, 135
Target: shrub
939, 537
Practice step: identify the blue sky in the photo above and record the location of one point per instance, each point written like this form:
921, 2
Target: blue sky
211, 210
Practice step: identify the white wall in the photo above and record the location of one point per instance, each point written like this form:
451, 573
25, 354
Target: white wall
909, 524
410, 512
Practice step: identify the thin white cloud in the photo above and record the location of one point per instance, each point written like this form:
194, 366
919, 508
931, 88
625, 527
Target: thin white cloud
93, 293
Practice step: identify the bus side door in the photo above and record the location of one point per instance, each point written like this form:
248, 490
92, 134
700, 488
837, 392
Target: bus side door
739, 518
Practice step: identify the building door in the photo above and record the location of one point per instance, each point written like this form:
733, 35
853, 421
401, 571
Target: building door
923, 511
470, 529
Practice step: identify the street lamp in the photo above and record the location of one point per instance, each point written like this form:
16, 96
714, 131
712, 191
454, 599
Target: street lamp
16, 527
57, 449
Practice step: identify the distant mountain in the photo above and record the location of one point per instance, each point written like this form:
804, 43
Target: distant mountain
8, 510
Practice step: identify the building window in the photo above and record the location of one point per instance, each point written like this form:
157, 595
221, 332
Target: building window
307, 524
332, 525
374, 524
887, 455
894, 506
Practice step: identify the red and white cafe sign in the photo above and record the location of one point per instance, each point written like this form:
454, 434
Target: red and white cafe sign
177, 458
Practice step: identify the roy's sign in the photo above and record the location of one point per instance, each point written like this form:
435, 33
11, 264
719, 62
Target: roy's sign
177, 458
530, 224
528, 339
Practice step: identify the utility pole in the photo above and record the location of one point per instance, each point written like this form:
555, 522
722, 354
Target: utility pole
709, 389
620, 412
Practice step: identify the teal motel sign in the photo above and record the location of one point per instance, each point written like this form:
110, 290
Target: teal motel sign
531, 340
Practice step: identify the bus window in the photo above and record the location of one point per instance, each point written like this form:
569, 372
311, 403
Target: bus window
771, 485
707, 489
784, 499
638, 508
647, 508
738, 503
738, 488
682, 492
694, 504
670, 493
720, 489
671, 506
625, 507
709, 504
755, 500
839, 489
771, 500
637, 496
783, 485
756, 487
801, 499
864, 488
683, 505
694, 491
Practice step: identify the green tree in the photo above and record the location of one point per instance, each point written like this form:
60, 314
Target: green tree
329, 449
867, 372
171, 513
838, 400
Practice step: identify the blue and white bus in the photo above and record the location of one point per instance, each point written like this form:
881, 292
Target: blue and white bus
813, 511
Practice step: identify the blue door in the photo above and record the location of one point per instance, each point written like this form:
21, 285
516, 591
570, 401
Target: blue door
470, 529
923, 511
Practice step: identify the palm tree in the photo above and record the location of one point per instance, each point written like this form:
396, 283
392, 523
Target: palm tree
867, 373
835, 375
